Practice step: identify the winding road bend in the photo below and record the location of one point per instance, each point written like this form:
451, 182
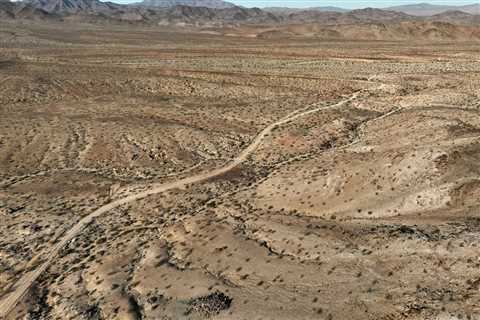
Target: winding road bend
23, 285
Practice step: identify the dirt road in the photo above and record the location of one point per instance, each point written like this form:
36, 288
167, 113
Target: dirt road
24, 284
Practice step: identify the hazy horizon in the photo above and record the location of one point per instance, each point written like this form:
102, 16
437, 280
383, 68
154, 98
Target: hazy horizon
347, 4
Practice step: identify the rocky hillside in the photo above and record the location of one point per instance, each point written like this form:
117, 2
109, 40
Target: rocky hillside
11, 10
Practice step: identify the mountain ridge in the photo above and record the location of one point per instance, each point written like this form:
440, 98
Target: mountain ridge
214, 4
427, 9
95, 10
286, 10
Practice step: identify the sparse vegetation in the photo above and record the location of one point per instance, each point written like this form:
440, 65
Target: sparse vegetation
362, 208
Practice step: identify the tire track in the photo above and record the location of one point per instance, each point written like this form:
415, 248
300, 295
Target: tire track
22, 287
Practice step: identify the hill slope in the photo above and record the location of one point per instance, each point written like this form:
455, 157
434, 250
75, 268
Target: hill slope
11, 10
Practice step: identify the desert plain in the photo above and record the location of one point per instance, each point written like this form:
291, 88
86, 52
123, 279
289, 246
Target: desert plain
176, 173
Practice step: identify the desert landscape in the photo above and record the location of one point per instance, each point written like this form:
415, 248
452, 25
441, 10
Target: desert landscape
278, 167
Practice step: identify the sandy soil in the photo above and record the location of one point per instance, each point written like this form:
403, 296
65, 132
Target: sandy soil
150, 174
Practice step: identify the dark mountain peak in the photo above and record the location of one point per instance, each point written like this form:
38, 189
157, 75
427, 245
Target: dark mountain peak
7, 9
21, 10
72, 6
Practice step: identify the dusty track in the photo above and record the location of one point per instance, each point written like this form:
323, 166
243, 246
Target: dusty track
24, 284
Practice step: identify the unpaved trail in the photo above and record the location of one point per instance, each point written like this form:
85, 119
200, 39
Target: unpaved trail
24, 284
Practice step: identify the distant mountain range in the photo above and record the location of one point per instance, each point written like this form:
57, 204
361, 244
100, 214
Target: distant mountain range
368, 15
104, 12
72, 6
214, 4
426, 9
216, 13
283, 10
420, 9
366, 24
